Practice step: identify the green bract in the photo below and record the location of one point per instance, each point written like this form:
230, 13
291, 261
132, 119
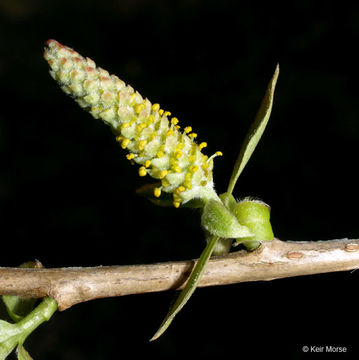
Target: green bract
219, 221
256, 216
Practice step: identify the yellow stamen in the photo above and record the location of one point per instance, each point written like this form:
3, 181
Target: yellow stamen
141, 145
203, 182
140, 127
157, 192
174, 121
139, 108
147, 163
150, 120
187, 129
160, 154
177, 168
193, 135
178, 154
176, 204
219, 153
155, 107
194, 168
162, 174
142, 171
180, 189
165, 183
124, 143
130, 156
125, 126
119, 138
202, 145
161, 111
167, 113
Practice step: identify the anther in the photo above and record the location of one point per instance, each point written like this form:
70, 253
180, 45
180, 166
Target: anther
178, 154
155, 107
157, 192
139, 108
142, 171
162, 174
141, 145
130, 156
125, 143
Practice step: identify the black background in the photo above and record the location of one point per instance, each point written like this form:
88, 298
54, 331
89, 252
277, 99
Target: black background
67, 192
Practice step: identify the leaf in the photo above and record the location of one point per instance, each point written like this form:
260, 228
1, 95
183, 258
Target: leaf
22, 354
219, 221
190, 287
9, 335
18, 307
255, 132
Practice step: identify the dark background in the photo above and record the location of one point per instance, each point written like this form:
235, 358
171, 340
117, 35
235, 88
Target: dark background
67, 192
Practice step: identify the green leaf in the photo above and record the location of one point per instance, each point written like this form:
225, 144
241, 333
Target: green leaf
219, 221
12, 335
255, 132
18, 307
9, 334
190, 287
22, 354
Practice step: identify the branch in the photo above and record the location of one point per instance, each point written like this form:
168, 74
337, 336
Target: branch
273, 260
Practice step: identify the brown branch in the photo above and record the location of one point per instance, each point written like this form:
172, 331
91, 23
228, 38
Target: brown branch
273, 260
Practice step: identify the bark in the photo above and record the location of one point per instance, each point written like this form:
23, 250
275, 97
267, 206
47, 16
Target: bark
273, 260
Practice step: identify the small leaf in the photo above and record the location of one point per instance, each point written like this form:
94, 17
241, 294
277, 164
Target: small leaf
190, 287
219, 221
22, 354
255, 132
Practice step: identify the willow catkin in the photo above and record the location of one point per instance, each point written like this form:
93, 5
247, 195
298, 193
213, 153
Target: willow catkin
150, 135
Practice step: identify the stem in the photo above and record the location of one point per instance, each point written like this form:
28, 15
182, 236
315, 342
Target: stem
40, 314
189, 288
272, 260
